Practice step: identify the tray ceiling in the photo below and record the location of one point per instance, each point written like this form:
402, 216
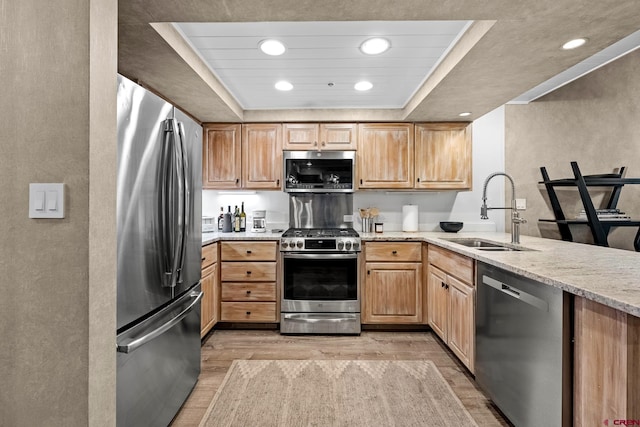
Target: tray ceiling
322, 61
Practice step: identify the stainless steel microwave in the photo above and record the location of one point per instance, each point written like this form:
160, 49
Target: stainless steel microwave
319, 171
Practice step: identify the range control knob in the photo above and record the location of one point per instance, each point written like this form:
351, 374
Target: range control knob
299, 244
284, 244
340, 246
347, 246
356, 245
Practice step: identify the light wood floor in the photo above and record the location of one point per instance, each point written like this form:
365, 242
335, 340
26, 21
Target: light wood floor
221, 347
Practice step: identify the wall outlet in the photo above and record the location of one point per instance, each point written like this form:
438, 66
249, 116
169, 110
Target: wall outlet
521, 204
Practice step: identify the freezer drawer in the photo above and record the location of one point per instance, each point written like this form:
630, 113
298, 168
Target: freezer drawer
158, 363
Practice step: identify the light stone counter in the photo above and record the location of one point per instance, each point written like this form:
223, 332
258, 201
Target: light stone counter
605, 275
217, 236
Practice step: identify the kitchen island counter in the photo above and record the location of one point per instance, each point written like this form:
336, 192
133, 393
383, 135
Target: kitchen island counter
605, 275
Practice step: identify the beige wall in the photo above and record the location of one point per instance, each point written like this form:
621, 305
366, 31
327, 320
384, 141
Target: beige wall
595, 121
57, 277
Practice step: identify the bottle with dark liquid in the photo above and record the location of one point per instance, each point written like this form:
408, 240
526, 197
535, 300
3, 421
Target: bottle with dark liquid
220, 218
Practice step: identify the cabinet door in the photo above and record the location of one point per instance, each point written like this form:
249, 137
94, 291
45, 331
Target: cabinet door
393, 293
261, 156
338, 136
461, 321
385, 155
300, 136
221, 161
443, 156
210, 299
438, 304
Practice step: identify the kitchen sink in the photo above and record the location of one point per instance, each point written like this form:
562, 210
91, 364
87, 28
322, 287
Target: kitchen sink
486, 245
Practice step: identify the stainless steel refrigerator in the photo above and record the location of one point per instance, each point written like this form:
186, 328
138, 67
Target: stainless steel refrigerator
159, 198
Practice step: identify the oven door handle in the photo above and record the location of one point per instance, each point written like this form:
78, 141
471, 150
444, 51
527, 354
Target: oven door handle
320, 256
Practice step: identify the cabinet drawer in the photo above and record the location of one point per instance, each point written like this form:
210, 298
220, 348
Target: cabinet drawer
248, 272
454, 264
241, 291
248, 251
248, 311
393, 251
209, 254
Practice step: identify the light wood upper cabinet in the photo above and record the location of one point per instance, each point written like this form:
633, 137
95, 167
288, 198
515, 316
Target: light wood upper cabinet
221, 159
338, 136
443, 156
392, 290
300, 136
320, 136
261, 156
385, 155
242, 156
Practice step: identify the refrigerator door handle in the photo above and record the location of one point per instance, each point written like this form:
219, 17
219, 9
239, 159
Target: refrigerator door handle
167, 219
184, 193
139, 342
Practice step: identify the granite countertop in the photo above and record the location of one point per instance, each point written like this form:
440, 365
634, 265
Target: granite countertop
605, 275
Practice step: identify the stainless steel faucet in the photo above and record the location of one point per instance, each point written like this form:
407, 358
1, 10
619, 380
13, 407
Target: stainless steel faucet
515, 215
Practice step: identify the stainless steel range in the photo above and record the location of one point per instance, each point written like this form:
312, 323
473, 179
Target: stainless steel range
320, 286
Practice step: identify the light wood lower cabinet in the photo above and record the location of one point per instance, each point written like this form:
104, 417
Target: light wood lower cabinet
248, 281
606, 365
451, 302
392, 291
210, 306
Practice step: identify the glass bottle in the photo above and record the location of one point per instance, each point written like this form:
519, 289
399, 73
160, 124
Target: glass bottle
243, 219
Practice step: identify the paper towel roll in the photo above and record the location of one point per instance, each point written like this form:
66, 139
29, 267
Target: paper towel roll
410, 218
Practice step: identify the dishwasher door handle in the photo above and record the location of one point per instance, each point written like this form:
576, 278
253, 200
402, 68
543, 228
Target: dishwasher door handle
513, 292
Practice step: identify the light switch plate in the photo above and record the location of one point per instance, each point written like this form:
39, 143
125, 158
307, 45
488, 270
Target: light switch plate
46, 200
521, 204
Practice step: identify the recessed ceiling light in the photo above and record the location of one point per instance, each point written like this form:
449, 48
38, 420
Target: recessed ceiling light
375, 46
272, 47
363, 85
284, 85
465, 114
572, 44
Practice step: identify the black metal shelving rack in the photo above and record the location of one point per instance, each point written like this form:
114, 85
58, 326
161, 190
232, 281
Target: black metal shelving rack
599, 228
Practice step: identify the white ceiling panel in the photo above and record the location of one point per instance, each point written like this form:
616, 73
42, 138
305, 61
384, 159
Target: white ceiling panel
319, 53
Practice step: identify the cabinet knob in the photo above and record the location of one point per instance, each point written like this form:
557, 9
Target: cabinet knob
248, 272
442, 285
248, 313
394, 252
278, 181
360, 181
237, 180
248, 252
203, 258
248, 292
369, 272
418, 180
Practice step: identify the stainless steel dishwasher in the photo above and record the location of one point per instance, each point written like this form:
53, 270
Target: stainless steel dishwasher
523, 347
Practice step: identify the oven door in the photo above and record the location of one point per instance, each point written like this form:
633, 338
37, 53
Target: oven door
320, 283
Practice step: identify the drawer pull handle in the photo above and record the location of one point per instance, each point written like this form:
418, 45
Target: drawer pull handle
248, 292
248, 272
248, 252
394, 252
248, 313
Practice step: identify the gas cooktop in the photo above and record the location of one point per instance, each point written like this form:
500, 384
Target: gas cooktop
314, 233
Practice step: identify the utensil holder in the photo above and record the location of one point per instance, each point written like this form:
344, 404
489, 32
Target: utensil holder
367, 224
